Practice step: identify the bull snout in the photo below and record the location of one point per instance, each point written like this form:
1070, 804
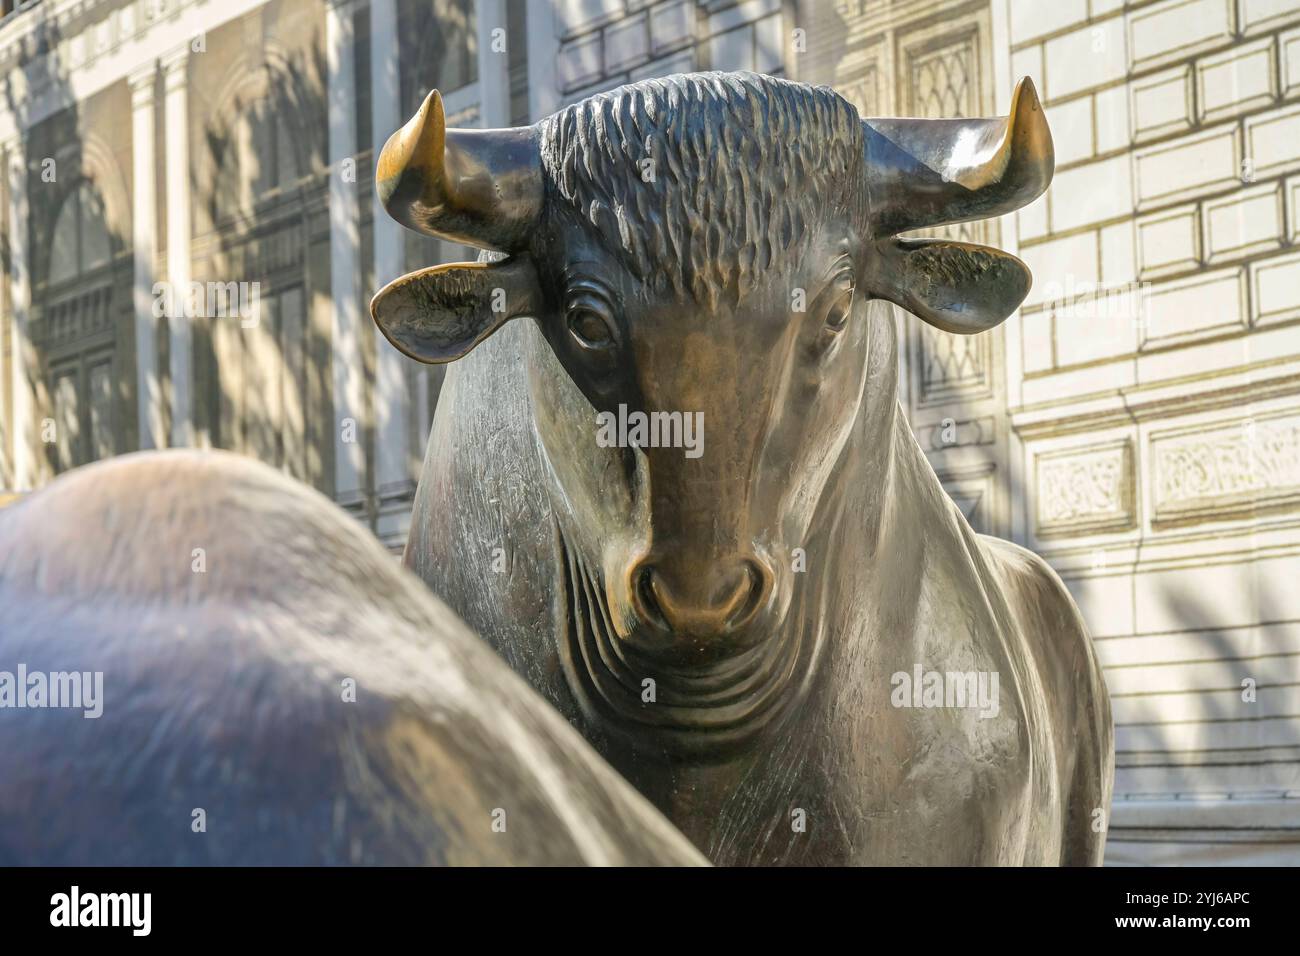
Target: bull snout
715, 600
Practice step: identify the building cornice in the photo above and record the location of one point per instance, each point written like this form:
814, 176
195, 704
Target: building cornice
84, 61
1234, 388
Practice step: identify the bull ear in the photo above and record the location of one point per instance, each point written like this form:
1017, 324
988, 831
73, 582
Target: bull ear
439, 314
955, 286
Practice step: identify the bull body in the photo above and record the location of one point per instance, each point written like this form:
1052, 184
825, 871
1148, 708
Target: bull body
729, 629
287, 680
895, 578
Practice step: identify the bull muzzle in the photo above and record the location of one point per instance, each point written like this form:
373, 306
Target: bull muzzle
702, 601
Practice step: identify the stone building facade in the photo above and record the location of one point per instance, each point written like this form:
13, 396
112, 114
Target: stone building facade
1137, 422
188, 194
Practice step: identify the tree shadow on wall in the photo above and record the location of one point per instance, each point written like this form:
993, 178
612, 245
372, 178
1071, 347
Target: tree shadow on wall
80, 352
260, 182
1186, 727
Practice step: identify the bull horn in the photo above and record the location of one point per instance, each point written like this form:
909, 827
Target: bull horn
477, 187
932, 172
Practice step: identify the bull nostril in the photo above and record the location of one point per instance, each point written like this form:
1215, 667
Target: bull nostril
757, 583
732, 600
648, 603
730, 603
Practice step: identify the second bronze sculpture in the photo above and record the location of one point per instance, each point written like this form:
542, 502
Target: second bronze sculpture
756, 630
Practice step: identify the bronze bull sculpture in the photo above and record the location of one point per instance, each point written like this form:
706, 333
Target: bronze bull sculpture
737, 626
274, 689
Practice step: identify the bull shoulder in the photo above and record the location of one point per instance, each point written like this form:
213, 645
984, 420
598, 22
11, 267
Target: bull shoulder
1047, 618
1036, 591
1052, 625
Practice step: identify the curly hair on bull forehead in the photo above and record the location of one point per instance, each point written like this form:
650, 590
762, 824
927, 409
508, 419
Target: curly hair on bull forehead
741, 168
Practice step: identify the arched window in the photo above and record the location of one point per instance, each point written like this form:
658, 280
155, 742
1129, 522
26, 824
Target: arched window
257, 160
75, 335
80, 244
258, 363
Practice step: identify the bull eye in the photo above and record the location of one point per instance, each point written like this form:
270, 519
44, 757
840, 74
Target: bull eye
837, 316
590, 328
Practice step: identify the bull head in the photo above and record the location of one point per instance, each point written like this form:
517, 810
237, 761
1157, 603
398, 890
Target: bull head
678, 295
485, 188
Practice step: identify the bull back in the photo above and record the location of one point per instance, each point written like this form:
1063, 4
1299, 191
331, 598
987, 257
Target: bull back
275, 690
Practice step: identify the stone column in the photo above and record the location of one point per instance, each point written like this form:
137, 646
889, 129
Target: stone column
494, 63
392, 403
144, 248
6, 396
543, 51
20, 299
345, 255
176, 111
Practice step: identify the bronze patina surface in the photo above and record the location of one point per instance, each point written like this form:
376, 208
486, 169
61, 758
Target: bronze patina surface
737, 624
224, 692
